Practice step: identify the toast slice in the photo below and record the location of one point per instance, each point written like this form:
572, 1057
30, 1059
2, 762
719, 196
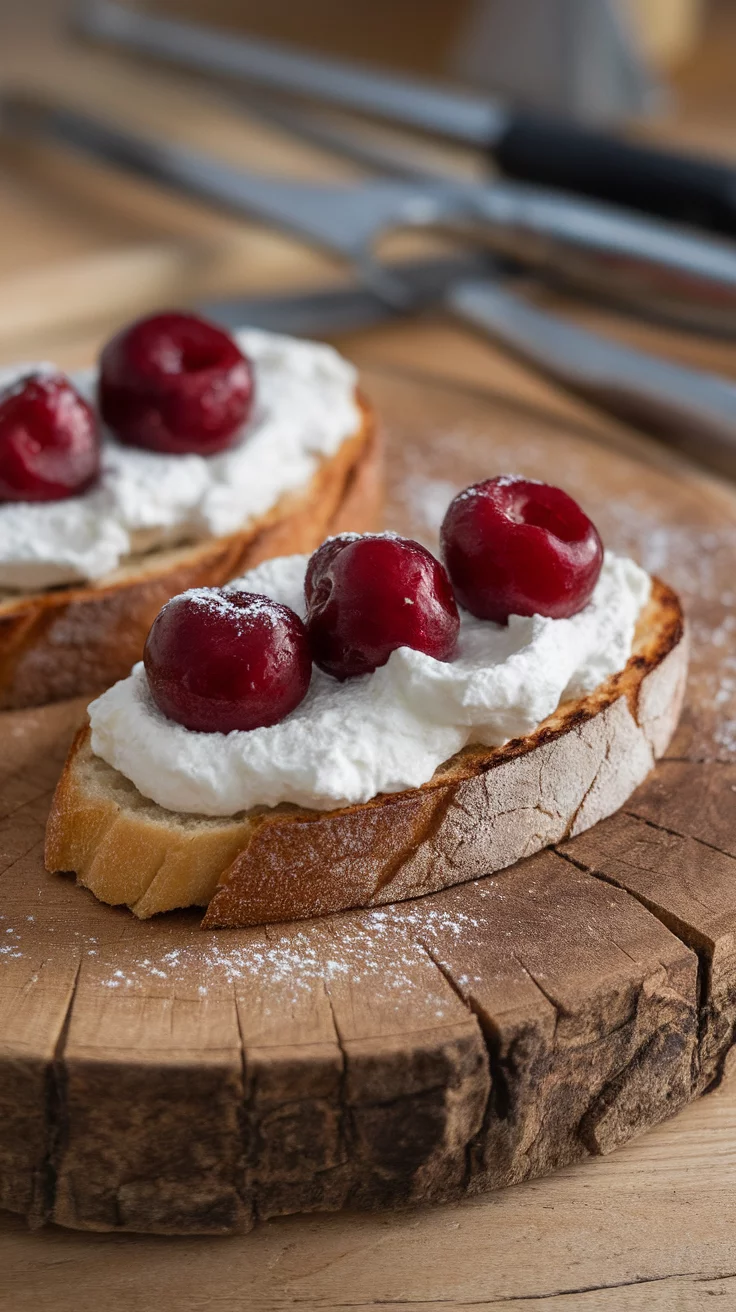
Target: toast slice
482, 810
67, 641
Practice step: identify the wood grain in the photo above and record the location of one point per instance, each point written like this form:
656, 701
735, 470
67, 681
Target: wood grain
159, 1078
648, 1227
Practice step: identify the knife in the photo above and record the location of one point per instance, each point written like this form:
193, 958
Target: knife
663, 272
623, 257
687, 408
693, 410
344, 309
527, 146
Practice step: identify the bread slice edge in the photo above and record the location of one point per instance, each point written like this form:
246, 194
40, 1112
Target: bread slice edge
64, 642
482, 811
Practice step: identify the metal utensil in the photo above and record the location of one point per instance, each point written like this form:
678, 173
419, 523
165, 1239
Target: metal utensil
326, 312
344, 220
529, 147
658, 269
693, 410
624, 258
689, 409
677, 404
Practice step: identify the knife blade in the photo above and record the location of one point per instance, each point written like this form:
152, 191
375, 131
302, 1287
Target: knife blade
663, 272
620, 381
274, 67
625, 258
327, 312
529, 147
689, 409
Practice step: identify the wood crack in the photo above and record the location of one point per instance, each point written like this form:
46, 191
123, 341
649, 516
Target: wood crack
37, 843
697, 760
489, 1029
681, 931
27, 801
459, 1302
677, 833
56, 1114
249, 1202
343, 1129
497, 1097
558, 1009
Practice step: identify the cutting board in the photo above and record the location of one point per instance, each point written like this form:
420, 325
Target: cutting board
154, 1077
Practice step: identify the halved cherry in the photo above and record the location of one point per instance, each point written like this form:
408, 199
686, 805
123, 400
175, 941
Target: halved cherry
516, 547
175, 383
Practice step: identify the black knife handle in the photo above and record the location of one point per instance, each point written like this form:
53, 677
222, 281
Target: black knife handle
560, 155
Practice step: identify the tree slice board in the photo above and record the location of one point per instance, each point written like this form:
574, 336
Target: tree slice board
154, 1077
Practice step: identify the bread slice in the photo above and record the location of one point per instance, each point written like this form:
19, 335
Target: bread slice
67, 641
483, 809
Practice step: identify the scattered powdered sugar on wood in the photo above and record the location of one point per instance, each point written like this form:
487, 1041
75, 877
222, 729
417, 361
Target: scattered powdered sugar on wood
386, 949
696, 561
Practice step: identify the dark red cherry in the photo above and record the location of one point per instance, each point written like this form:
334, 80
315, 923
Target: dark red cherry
175, 383
321, 558
516, 547
218, 660
373, 594
49, 440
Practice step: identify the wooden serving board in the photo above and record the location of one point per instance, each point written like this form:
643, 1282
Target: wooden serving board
154, 1077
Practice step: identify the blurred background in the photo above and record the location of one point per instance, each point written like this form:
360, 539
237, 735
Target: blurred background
82, 247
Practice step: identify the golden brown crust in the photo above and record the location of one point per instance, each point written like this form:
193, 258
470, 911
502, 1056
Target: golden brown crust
68, 641
482, 810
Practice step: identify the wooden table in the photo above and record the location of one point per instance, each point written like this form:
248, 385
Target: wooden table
650, 1226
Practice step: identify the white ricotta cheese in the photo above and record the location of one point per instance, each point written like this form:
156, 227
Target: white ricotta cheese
304, 409
383, 732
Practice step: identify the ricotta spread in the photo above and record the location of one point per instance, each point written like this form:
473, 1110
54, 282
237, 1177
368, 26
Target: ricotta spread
383, 732
304, 409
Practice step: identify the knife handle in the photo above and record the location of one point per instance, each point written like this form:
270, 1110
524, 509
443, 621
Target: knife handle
552, 152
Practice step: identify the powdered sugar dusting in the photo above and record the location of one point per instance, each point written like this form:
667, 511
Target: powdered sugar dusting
696, 560
13, 378
386, 950
234, 604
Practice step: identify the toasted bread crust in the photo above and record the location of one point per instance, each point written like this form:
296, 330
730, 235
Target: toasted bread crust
482, 810
73, 640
